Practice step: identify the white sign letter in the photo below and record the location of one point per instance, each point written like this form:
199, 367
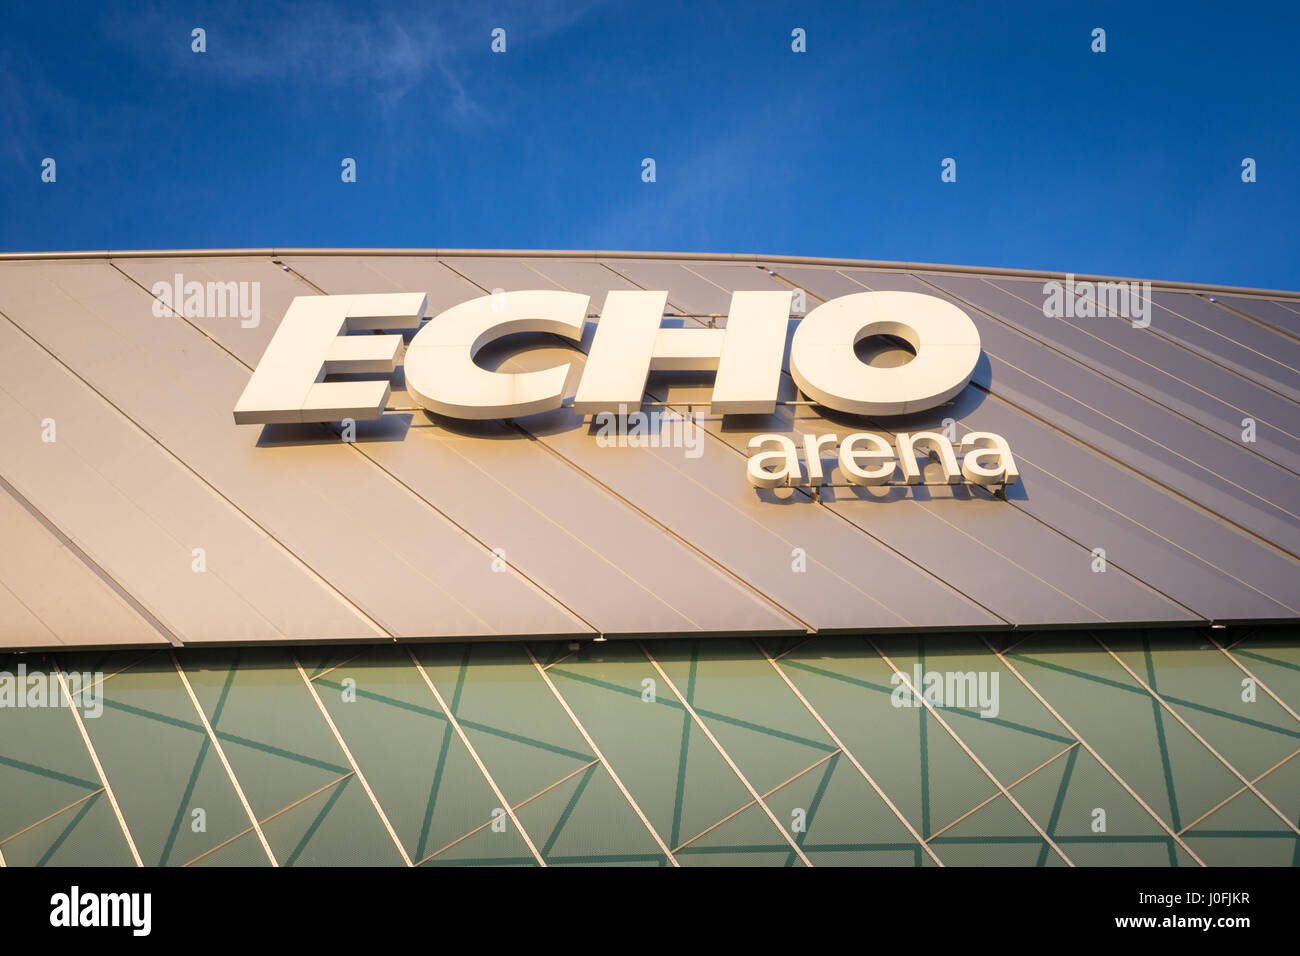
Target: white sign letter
441, 373
629, 343
825, 367
287, 384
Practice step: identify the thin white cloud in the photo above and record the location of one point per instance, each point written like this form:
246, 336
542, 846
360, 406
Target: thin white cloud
389, 51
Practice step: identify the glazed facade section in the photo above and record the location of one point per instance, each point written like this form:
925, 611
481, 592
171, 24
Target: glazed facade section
1116, 748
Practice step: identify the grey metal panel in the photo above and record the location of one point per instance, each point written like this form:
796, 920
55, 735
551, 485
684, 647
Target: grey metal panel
22, 628
1182, 551
248, 342
621, 573
590, 278
395, 557
1255, 334
119, 533
139, 515
1276, 315
1208, 469
1175, 547
598, 556
746, 278
688, 292
738, 278
597, 279
1203, 392
1025, 570
508, 274
61, 600
342, 275
825, 282
1225, 339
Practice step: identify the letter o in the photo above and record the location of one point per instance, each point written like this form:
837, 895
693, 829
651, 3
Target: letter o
825, 367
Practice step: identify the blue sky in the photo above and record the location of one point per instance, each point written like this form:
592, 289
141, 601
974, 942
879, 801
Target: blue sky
1126, 162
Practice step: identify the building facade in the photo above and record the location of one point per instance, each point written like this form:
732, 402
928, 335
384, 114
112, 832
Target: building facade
340, 619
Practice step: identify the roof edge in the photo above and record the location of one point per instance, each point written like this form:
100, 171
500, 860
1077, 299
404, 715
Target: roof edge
621, 254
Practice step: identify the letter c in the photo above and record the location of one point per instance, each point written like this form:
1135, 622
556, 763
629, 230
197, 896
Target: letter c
441, 373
